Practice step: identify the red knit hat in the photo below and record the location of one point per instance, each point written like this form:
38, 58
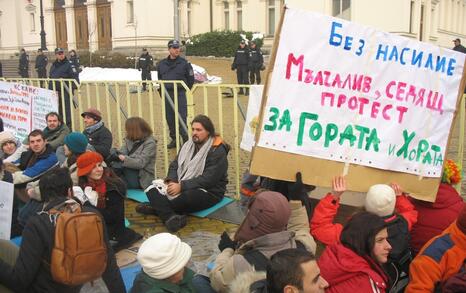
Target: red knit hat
87, 161
461, 221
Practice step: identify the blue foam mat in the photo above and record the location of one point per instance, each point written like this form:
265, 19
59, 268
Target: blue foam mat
140, 196
129, 274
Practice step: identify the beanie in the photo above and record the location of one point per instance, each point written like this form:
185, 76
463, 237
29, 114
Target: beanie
268, 212
163, 255
6, 136
87, 161
94, 113
451, 173
380, 200
461, 221
76, 142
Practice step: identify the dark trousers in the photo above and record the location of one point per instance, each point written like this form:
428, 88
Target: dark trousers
242, 76
42, 73
145, 75
188, 201
24, 73
67, 100
182, 112
255, 75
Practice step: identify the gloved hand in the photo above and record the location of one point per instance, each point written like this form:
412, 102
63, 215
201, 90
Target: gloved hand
296, 190
139, 69
226, 242
233, 67
91, 195
79, 194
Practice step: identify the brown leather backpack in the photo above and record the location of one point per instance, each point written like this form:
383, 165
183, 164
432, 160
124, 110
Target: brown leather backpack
79, 254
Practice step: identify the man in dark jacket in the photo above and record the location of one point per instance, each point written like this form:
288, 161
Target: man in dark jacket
256, 62
62, 68
196, 179
240, 63
23, 67
55, 131
175, 67
41, 64
458, 47
75, 64
28, 269
145, 65
97, 134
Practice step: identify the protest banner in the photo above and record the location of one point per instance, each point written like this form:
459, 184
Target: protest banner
252, 117
346, 99
6, 209
23, 107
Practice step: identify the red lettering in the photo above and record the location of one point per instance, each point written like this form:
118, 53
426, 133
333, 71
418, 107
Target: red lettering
293, 61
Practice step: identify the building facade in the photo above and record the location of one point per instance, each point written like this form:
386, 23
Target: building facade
125, 25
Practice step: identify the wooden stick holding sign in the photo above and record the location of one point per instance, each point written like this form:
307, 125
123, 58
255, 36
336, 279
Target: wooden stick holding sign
348, 99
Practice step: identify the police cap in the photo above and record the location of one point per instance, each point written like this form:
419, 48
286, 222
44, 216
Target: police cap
174, 44
59, 50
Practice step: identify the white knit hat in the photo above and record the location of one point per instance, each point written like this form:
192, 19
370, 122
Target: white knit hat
6, 136
380, 200
163, 255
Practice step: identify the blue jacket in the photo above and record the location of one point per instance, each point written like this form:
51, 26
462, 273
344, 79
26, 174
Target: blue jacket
176, 69
44, 162
62, 69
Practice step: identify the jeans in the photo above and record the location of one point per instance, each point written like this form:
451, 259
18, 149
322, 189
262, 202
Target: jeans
202, 284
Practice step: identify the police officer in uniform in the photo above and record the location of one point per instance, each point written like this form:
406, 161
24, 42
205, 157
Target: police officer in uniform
75, 63
256, 63
240, 63
175, 67
41, 64
145, 65
23, 67
62, 68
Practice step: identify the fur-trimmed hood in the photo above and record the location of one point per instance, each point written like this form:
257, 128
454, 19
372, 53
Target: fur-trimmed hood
242, 283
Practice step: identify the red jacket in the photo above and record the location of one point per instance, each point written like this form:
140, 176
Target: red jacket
327, 232
435, 217
345, 271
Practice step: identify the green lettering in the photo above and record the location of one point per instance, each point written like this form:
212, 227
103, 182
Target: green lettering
422, 146
362, 132
285, 120
302, 124
391, 149
347, 134
374, 140
427, 158
315, 132
331, 132
404, 149
272, 119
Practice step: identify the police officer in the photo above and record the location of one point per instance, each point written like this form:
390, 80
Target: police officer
75, 63
240, 63
23, 67
256, 63
145, 64
62, 68
41, 64
175, 67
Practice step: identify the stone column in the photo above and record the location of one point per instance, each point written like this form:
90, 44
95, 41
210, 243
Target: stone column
70, 25
92, 25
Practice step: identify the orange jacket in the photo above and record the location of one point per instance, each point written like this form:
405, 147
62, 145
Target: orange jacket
438, 260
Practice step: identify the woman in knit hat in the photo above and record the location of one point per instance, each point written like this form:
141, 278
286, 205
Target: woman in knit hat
75, 145
106, 192
434, 217
11, 147
163, 258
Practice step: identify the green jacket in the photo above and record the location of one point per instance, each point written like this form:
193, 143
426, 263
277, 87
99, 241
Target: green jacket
146, 284
56, 138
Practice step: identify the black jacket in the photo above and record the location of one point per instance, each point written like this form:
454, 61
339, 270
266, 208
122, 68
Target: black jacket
62, 69
101, 139
31, 272
460, 48
41, 62
256, 59
241, 57
146, 62
23, 62
176, 69
214, 179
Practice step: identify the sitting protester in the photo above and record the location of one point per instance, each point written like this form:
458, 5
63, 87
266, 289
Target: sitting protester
29, 268
11, 147
440, 259
355, 263
435, 217
55, 131
163, 258
271, 224
106, 191
97, 134
386, 202
196, 179
136, 158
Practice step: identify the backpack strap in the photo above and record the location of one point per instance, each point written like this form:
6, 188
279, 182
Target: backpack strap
256, 259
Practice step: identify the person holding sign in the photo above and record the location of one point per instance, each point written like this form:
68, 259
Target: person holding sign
240, 64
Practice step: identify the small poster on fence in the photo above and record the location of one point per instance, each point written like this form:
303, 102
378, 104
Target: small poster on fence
23, 107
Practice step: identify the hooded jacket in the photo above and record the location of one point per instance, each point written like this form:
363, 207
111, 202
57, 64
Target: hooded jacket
346, 271
101, 139
243, 282
142, 159
145, 284
56, 137
435, 217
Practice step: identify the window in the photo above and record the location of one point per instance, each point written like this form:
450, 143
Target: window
130, 12
342, 9
271, 17
102, 27
226, 14
33, 21
239, 15
411, 18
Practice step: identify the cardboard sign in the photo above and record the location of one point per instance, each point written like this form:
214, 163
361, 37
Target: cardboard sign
346, 96
23, 108
6, 209
252, 117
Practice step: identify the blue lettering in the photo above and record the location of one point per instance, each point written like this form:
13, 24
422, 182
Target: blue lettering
335, 39
348, 43
417, 58
394, 54
451, 66
429, 62
402, 61
440, 64
384, 53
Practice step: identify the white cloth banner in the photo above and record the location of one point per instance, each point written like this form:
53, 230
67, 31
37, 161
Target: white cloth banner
6, 209
349, 93
23, 108
252, 117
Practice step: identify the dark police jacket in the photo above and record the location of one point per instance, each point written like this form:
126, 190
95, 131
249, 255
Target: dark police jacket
23, 62
41, 62
61, 69
241, 57
256, 60
145, 62
176, 69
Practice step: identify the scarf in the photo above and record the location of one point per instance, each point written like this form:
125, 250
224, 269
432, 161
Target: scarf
101, 188
190, 165
94, 127
48, 132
